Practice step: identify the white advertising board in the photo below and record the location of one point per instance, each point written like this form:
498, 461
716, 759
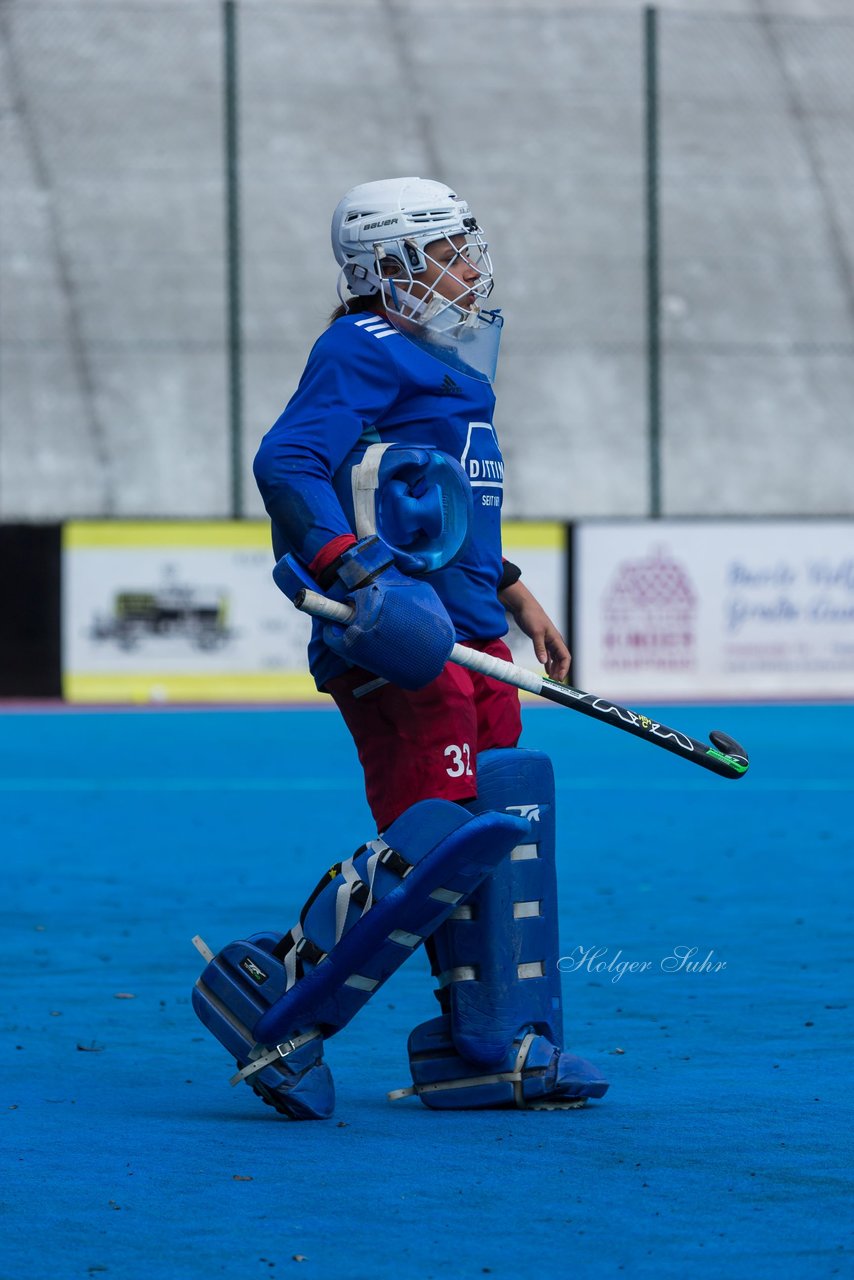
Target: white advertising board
714, 609
183, 611
188, 611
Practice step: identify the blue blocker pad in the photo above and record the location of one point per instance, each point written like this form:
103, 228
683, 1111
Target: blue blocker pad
273, 998
416, 498
496, 960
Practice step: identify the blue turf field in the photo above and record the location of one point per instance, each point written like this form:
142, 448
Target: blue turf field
722, 1149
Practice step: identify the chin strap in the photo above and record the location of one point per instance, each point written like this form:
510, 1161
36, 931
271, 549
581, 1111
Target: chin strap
363, 282
359, 280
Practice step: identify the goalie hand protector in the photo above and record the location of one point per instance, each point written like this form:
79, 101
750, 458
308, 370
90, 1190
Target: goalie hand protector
401, 630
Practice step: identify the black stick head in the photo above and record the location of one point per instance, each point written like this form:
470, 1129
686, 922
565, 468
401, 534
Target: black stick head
728, 746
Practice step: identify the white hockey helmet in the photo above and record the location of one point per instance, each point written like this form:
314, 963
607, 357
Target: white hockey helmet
380, 231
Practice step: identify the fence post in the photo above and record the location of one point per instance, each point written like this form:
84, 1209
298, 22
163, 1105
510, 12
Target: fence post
232, 251
653, 284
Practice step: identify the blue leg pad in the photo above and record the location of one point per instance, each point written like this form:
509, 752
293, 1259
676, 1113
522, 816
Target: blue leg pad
534, 1074
448, 852
272, 999
497, 956
500, 1041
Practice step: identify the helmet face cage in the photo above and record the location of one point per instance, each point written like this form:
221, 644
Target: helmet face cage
401, 263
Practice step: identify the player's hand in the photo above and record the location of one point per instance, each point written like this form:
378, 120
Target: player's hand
531, 617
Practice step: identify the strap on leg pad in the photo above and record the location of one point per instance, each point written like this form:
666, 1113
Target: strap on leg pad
496, 958
534, 1074
270, 997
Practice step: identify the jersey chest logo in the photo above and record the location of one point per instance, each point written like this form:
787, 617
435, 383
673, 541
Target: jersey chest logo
482, 462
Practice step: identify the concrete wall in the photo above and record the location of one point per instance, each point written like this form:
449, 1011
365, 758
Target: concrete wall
113, 387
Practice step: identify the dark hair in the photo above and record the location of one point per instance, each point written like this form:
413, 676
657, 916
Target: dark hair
353, 306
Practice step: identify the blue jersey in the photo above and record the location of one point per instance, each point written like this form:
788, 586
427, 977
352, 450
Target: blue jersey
366, 383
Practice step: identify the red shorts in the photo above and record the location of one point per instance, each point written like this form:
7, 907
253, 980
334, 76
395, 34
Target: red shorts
423, 745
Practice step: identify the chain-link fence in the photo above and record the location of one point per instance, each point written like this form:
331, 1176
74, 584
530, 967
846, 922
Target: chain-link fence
757, 219
112, 374
137, 344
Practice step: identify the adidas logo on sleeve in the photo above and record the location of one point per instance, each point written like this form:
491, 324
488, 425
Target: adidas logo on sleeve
377, 326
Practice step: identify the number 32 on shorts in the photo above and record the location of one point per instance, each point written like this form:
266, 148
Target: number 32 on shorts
460, 760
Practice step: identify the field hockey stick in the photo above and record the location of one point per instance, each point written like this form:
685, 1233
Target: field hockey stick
724, 757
